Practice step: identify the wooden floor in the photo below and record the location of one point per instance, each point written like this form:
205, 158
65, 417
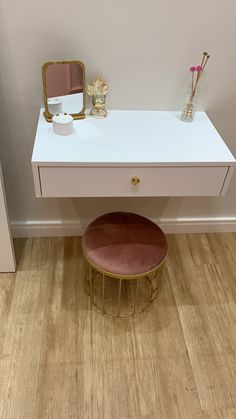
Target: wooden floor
60, 360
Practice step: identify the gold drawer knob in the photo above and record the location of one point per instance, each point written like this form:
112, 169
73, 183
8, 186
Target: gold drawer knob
135, 180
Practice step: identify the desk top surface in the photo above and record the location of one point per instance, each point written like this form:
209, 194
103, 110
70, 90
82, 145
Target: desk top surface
145, 138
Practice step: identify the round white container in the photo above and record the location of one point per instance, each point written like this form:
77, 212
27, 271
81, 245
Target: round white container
62, 124
54, 105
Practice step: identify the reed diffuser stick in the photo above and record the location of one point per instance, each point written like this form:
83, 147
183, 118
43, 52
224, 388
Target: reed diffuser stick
200, 69
207, 58
201, 65
192, 80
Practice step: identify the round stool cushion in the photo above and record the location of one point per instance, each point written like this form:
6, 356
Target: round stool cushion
125, 244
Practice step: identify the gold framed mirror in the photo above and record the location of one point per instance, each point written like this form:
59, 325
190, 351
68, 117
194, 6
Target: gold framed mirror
64, 88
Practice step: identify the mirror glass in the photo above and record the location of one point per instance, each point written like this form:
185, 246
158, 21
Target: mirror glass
63, 84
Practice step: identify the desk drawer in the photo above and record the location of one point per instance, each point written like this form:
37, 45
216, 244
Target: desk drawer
116, 181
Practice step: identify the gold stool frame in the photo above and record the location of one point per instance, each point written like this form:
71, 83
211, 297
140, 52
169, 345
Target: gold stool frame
139, 302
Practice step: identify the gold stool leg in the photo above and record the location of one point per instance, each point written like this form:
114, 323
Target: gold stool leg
119, 294
140, 295
135, 298
84, 277
91, 284
155, 280
103, 292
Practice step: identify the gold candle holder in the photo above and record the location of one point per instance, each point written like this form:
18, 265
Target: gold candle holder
98, 90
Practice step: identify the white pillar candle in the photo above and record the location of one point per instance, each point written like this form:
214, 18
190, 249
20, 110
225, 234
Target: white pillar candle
54, 105
62, 124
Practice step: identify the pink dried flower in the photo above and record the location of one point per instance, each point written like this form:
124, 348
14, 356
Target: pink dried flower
192, 68
199, 68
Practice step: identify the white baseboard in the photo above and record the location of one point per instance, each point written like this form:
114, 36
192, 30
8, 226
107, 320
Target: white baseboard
198, 225
57, 228
52, 228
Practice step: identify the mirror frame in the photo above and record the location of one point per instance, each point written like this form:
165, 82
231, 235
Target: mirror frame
47, 115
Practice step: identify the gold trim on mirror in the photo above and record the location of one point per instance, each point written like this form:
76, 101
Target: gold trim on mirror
48, 116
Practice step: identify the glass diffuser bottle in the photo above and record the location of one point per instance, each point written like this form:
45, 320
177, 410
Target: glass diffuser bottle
190, 102
189, 108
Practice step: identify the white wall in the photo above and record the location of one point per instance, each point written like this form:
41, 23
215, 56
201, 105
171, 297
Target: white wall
143, 50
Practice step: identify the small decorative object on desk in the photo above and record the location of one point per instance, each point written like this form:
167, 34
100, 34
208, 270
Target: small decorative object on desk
196, 73
54, 105
62, 124
98, 90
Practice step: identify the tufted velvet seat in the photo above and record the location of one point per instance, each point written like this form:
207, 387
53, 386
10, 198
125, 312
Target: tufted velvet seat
125, 244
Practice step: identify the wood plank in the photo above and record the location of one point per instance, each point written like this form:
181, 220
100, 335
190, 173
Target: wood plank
59, 359
215, 377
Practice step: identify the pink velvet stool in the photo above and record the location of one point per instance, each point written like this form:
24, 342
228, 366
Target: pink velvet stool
124, 255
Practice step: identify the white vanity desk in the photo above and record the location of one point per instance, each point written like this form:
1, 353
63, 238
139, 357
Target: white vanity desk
168, 157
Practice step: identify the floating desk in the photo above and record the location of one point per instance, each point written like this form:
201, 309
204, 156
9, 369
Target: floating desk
155, 149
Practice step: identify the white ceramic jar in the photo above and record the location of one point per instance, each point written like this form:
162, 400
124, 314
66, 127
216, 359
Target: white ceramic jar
54, 105
62, 124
